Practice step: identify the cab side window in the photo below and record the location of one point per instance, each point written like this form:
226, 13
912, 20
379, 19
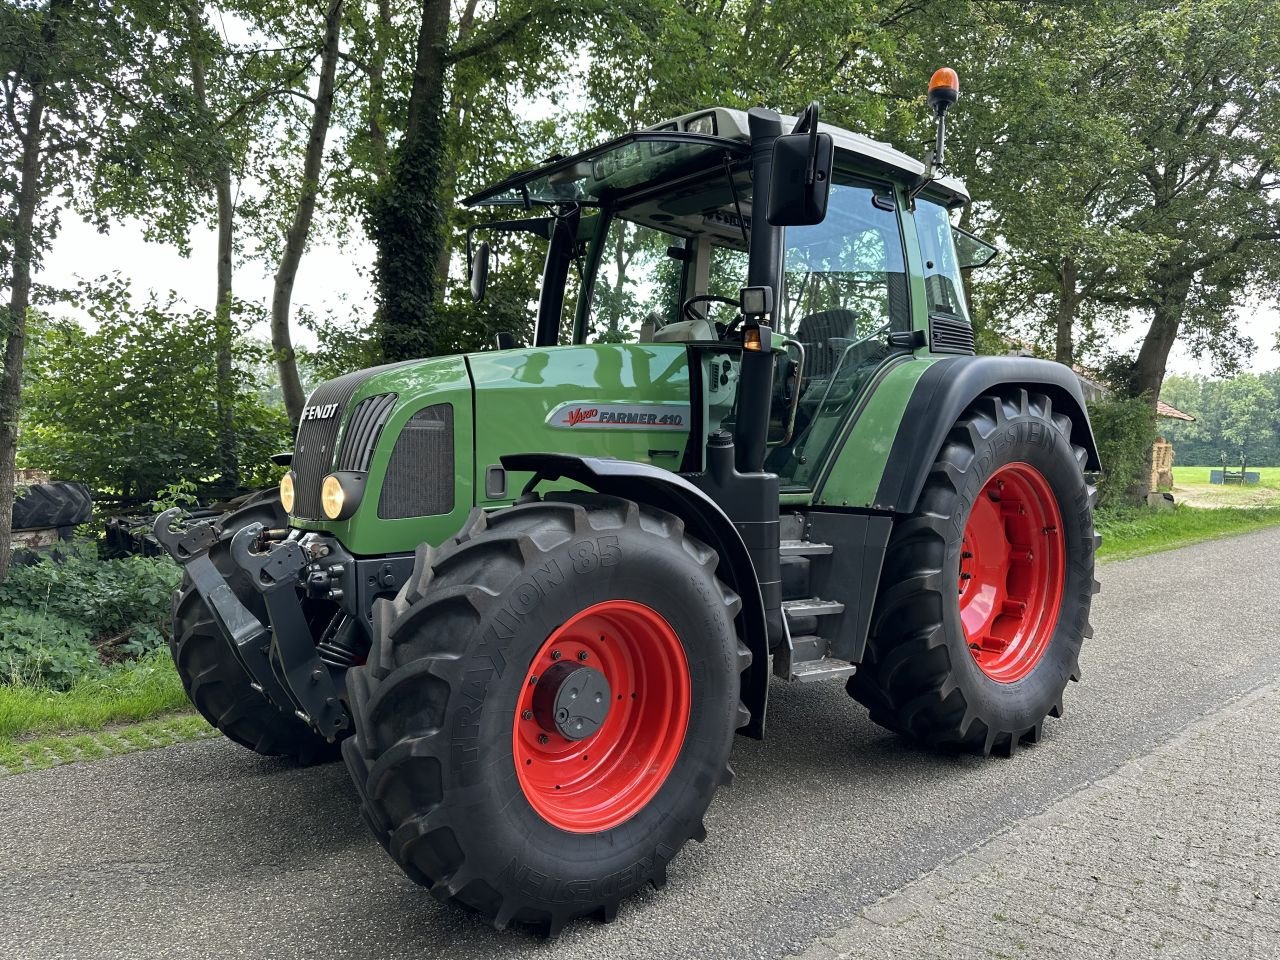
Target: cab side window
636, 281
850, 268
943, 287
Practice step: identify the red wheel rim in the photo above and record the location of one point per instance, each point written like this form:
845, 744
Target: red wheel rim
594, 784
1012, 571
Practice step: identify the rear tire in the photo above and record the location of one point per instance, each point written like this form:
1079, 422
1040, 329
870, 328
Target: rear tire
456, 780
973, 652
214, 680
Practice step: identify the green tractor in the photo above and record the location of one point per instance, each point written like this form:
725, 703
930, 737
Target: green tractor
533, 592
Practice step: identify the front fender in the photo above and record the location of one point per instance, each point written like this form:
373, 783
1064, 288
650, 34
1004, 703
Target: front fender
704, 519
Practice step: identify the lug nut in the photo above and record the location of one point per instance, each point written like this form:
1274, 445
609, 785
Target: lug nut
543, 738
526, 715
582, 655
555, 654
533, 679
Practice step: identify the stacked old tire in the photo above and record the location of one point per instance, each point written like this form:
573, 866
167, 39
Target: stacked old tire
55, 504
45, 515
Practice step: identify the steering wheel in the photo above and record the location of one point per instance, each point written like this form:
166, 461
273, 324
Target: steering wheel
692, 314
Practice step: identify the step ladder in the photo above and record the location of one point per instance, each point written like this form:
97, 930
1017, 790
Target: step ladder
809, 618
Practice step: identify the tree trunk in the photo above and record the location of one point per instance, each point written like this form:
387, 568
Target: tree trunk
378, 90
19, 300
225, 336
1166, 319
224, 332
408, 224
295, 241
1068, 301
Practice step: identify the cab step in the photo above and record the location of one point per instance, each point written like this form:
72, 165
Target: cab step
805, 548
811, 607
825, 668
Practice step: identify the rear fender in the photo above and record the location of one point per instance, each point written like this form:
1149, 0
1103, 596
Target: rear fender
941, 396
704, 519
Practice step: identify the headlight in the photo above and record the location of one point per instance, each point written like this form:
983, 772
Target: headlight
332, 497
340, 494
286, 492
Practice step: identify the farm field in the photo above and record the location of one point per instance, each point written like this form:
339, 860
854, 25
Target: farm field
1191, 487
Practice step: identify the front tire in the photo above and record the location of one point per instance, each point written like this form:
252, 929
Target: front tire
985, 590
488, 793
215, 682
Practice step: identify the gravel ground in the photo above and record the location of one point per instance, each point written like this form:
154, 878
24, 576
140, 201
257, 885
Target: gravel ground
204, 850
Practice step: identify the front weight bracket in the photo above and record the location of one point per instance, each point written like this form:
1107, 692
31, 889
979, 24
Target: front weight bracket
298, 669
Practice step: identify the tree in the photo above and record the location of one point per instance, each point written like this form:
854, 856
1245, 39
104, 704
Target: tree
65, 67
131, 406
1207, 191
1251, 416
304, 211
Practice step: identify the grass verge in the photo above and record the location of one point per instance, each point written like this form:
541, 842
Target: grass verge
37, 753
40, 727
1136, 532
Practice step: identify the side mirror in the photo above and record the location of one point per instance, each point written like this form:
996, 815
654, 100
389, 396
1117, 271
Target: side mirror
480, 271
801, 182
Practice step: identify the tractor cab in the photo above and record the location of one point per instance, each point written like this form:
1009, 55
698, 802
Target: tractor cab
649, 241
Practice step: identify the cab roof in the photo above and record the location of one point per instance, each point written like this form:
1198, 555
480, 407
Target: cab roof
732, 125
685, 144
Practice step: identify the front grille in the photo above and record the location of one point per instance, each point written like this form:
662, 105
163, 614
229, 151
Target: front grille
363, 430
313, 452
950, 335
419, 480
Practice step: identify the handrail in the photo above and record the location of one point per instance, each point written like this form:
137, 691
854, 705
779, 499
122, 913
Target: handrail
795, 396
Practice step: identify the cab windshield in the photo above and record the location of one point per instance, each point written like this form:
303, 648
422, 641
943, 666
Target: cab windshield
604, 173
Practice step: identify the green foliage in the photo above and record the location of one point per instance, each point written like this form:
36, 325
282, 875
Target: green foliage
38, 647
129, 407
54, 615
1236, 419
180, 493
1124, 429
125, 692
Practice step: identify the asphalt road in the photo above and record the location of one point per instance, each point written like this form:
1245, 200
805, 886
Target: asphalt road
205, 850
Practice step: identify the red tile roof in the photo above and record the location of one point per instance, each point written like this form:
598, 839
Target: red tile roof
1173, 413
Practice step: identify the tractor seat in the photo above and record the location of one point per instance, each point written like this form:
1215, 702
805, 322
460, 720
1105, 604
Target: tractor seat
824, 336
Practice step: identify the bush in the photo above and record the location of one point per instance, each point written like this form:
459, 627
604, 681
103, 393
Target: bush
55, 617
43, 648
1125, 429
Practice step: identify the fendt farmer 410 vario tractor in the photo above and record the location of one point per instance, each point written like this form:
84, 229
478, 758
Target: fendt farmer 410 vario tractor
534, 591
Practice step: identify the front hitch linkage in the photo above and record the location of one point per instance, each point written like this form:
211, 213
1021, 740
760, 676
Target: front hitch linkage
308, 681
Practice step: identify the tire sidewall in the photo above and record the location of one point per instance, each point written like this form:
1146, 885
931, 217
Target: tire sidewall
1033, 440
546, 863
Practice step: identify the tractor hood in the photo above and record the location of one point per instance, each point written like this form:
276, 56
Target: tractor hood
416, 446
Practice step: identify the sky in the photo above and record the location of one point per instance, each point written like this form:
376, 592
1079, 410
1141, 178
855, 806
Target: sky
330, 278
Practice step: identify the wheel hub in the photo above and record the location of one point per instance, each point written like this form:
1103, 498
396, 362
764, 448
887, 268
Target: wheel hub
601, 719
572, 700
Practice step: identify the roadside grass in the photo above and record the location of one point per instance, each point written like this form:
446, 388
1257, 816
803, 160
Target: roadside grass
1137, 531
40, 726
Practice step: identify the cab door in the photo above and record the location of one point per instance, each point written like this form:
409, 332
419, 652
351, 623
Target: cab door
844, 292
